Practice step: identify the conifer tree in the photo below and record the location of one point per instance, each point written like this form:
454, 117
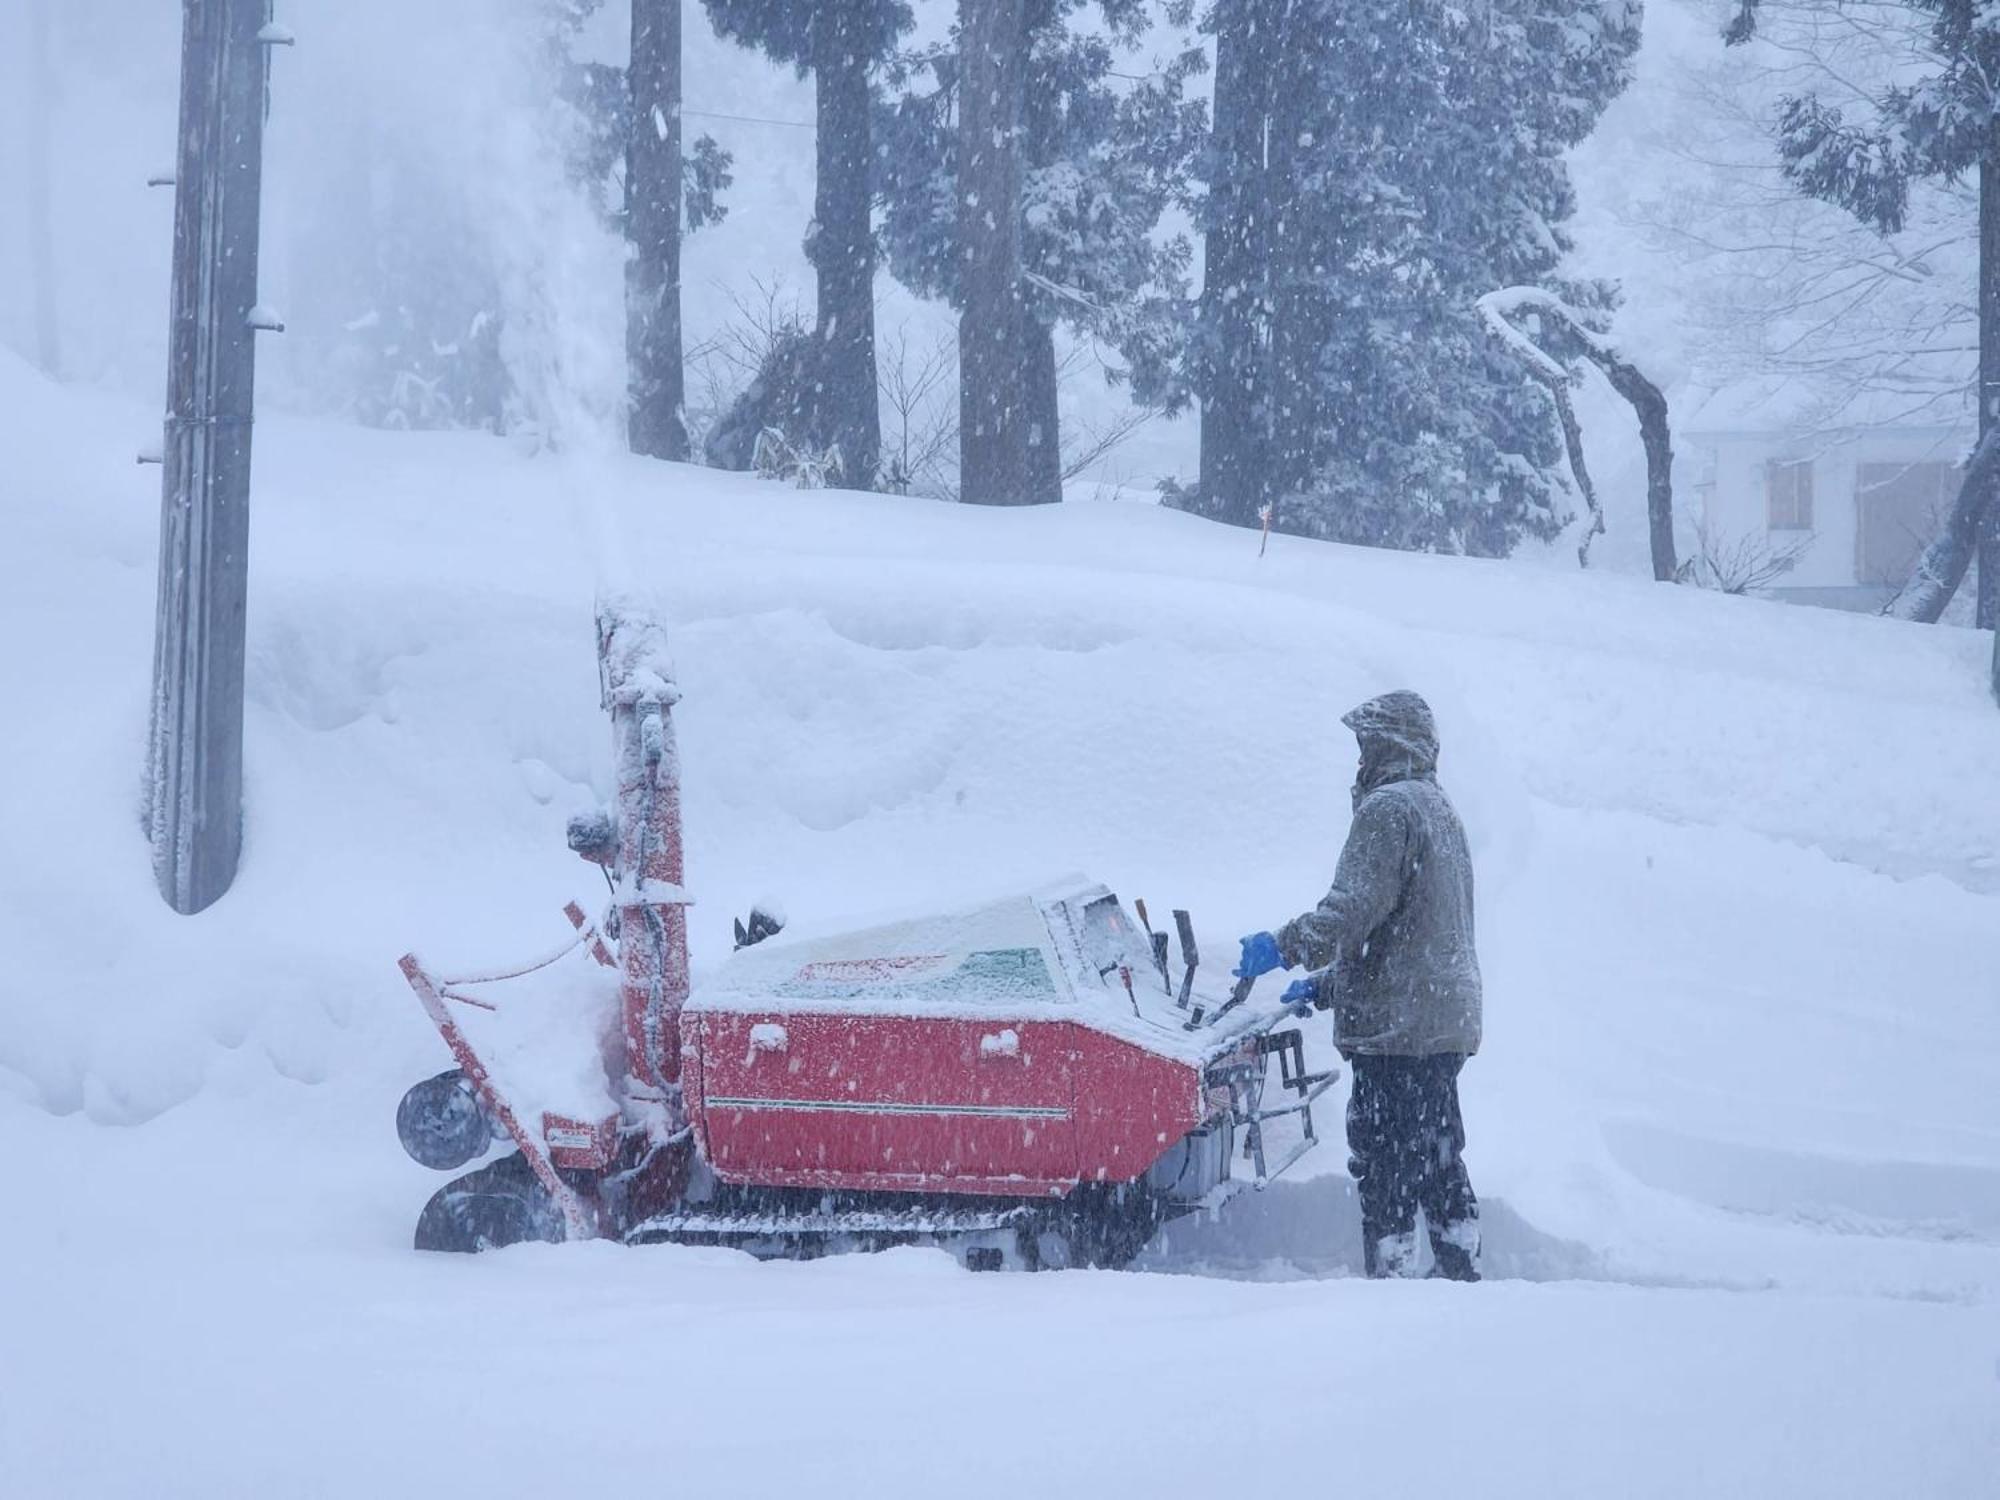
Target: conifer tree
628, 152
655, 421
1101, 157
1377, 166
840, 43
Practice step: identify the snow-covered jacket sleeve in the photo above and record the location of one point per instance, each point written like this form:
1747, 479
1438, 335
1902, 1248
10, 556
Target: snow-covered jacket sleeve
1365, 890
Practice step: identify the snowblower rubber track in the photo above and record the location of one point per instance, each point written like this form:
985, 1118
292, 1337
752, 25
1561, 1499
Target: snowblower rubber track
915, 1222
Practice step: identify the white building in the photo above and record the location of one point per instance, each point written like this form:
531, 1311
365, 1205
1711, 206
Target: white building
1855, 507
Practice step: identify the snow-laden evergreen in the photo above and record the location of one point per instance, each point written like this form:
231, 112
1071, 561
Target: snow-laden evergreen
840, 43
1376, 168
1109, 143
1937, 124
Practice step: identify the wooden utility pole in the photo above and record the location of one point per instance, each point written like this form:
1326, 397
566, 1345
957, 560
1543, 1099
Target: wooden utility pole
41, 234
1986, 607
194, 791
653, 423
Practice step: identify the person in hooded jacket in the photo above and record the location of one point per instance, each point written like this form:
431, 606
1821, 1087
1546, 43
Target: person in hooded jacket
1392, 947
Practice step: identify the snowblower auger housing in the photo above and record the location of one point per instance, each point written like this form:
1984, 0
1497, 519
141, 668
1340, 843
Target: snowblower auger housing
1017, 1080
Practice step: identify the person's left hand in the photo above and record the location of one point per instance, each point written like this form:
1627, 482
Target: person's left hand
1301, 995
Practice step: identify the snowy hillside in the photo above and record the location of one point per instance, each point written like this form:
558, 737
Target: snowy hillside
1735, 1125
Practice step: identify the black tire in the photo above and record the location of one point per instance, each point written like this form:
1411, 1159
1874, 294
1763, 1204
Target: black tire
1104, 1228
499, 1205
1046, 1246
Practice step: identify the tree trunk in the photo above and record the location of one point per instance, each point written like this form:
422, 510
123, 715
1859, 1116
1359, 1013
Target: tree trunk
1573, 444
41, 233
1255, 328
1945, 561
1043, 389
1232, 396
996, 426
1651, 407
1648, 404
1295, 307
1972, 530
1041, 142
1554, 378
841, 245
195, 787
655, 425
1988, 610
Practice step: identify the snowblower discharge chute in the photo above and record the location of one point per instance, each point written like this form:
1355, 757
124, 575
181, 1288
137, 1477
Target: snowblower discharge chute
1027, 1083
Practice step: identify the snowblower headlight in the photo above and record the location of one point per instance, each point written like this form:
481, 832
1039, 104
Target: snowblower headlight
442, 1123
595, 837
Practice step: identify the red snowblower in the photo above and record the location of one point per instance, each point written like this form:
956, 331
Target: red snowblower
1027, 1084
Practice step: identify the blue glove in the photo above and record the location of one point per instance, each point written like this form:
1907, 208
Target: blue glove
1260, 956
1301, 994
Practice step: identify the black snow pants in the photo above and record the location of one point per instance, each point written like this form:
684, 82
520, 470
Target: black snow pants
1405, 1144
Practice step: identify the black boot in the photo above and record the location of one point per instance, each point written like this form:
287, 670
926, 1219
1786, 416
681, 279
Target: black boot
1451, 1259
1388, 1256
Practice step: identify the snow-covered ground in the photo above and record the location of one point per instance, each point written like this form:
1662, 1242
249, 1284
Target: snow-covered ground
1737, 1126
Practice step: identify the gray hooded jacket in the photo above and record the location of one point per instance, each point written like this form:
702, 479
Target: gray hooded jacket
1397, 925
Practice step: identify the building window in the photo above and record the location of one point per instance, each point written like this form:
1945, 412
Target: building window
1788, 494
1898, 509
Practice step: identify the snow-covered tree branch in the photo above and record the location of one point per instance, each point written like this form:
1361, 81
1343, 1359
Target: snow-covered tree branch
1502, 311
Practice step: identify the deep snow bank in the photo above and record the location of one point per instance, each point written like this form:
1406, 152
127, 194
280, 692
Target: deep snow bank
893, 702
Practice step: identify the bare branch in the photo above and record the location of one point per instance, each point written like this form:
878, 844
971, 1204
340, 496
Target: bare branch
920, 413
1083, 449
1740, 565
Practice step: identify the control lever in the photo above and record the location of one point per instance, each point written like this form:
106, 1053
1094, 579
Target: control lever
1158, 941
1184, 925
1236, 997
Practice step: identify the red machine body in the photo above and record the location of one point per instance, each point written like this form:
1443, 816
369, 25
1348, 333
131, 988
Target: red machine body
956, 1105
910, 1058
993, 1076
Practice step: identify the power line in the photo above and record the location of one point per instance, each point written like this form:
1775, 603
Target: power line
710, 114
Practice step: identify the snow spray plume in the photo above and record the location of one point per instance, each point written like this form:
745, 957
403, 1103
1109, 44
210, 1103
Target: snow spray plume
447, 268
